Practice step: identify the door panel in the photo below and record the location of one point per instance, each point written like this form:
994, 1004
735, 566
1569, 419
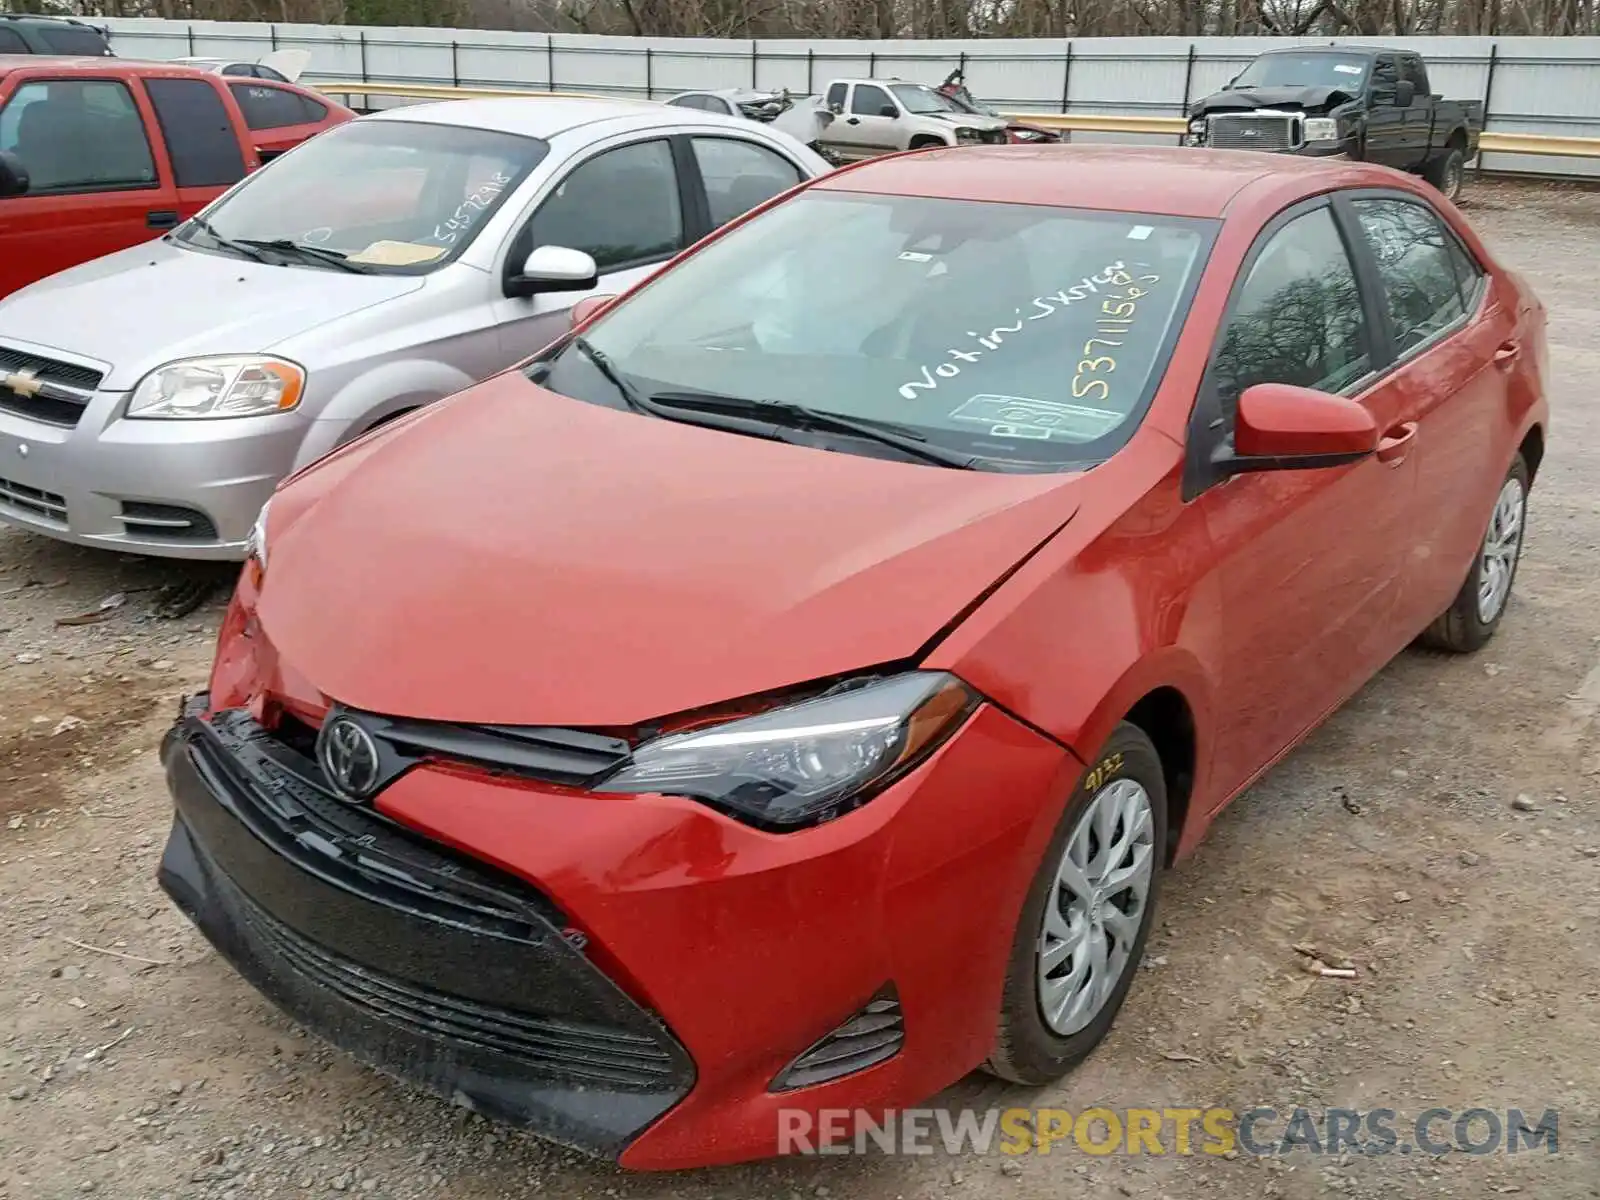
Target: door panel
1448, 328
862, 128
1309, 561
97, 183
1386, 123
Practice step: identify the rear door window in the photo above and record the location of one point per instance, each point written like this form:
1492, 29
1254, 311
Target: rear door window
200, 136
78, 136
1420, 286
267, 107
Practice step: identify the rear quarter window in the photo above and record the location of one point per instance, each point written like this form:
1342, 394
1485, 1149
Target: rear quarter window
11, 42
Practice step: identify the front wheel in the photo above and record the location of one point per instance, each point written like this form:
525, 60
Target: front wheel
1083, 928
1475, 613
1447, 173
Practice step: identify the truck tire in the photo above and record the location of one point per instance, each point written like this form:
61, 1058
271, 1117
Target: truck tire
1447, 172
924, 141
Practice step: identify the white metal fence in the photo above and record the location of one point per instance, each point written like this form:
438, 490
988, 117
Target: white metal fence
1527, 85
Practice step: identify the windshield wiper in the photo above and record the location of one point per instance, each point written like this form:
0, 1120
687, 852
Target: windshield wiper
241, 248
757, 416
799, 416
304, 252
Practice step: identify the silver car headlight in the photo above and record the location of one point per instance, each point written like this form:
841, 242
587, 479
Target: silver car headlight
809, 762
1198, 125
1322, 129
965, 133
222, 385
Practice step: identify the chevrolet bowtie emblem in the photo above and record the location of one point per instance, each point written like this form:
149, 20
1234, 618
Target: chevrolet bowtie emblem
24, 383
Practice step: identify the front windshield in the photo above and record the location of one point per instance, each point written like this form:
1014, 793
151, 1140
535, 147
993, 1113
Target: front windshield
1029, 336
915, 98
395, 197
1343, 71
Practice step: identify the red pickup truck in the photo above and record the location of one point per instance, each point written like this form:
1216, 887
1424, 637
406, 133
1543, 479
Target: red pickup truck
98, 154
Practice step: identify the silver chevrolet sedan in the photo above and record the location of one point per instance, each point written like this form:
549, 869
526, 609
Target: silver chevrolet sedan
151, 400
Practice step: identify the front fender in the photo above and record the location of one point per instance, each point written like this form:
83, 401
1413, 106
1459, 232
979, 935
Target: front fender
373, 396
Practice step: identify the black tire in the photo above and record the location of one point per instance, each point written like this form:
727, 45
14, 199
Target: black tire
1447, 173
924, 142
1461, 628
1027, 1050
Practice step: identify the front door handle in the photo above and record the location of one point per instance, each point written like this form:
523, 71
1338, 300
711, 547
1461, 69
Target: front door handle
853, 121
1508, 353
161, 220
1396, 443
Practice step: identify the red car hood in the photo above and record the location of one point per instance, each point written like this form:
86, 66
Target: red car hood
516, 557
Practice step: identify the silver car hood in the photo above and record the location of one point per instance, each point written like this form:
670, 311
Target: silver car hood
142, 307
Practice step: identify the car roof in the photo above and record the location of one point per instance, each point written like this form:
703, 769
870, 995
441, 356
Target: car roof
1334, 48
548, 116
1172, 181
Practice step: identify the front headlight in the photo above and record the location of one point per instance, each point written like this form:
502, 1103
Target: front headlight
965, 133
218, 386
807, 762
255, 546
1322, 129
1198, 125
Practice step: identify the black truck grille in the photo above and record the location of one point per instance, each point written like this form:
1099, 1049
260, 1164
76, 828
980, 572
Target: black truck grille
45, 389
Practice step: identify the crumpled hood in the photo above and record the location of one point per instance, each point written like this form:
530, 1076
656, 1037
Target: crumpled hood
976, 120
511, 556
150, 304
1306, 99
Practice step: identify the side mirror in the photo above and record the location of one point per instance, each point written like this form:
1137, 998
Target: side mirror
554, 269
586, 308
1280, 427
1404, 93
13, 175
890, 111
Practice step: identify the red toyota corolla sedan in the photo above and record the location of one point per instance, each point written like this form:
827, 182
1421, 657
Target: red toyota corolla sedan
787, 691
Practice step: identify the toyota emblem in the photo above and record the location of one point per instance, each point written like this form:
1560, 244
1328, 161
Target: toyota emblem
349, 758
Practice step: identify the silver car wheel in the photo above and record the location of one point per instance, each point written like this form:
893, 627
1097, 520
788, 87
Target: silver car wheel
1501, 545
1093, 913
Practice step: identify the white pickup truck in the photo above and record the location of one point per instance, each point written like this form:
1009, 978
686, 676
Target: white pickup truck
877, 116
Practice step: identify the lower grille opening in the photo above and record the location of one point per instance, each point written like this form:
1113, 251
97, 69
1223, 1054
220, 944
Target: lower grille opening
167, 522
572, 1049
33, 501
873, 1035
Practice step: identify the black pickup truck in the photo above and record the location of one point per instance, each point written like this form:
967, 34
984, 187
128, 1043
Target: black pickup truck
1370, 104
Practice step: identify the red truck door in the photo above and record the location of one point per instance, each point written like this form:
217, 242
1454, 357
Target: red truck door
205, 134
99, 180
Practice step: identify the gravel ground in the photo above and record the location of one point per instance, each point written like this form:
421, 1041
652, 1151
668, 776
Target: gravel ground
1441, 833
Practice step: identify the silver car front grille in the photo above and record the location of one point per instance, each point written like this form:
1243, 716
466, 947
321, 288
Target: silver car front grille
45, 389
1254, 131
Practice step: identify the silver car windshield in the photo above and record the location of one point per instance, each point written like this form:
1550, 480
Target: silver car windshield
1028, 335
392, 197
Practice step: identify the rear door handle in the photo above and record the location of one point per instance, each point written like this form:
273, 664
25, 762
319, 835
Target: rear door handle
161, 220
1396, 443
1508, 353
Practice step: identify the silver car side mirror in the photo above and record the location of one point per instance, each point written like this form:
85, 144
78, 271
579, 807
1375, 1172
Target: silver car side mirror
554, 269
